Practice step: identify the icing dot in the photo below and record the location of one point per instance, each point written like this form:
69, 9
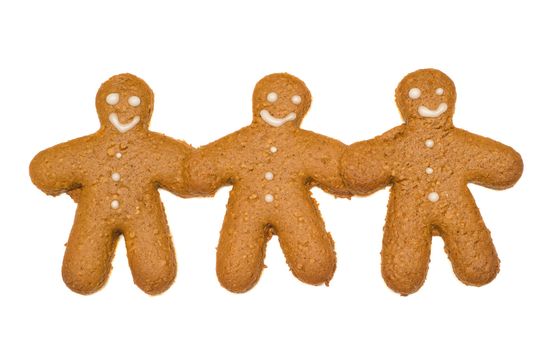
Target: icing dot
273, 149
272, 97
115, 204
118, 155
116, 177
269, 176
134, 101
296, 99
429, 170
414, 93
269, 198
433, 197
113, 98
439, 91
429, 143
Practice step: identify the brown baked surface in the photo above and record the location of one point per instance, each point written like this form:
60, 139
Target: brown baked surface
401, 158
297, 160
145, 161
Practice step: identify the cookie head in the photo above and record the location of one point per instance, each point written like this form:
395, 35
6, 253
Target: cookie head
280, 99
426, 94
125, 103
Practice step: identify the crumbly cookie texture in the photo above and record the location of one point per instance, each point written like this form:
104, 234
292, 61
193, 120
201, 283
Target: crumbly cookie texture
114, 176
271, 165
428, 163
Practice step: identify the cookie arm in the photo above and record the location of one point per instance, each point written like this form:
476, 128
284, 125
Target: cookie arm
206, 169
171, 155
322, 157
366, 165
57, 170
490, 163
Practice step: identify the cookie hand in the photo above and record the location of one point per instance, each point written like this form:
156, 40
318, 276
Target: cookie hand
322, 162
365, 166
490, 163
169, 176
53, 172
204, 170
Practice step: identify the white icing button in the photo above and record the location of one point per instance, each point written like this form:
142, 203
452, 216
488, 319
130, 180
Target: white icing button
115, 204
439, 91
273, 149
116, 177
269, 176
433, 196
272, 97
414, 93
118, 155
429, 170
429, 143
296, 99
113, 98
134, 101
269, 198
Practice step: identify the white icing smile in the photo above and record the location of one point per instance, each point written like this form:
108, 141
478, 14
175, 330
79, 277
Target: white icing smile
428, 113
113, 118
273, 121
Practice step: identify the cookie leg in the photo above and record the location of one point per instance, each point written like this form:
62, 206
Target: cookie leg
308, 248
405, 247
242, 246
88, 256
468, 244
150, 251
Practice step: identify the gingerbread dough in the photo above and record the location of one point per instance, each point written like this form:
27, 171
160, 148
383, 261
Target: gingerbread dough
271, 164
114, 175
428, 162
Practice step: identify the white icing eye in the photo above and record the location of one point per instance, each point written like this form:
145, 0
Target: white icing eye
134, 101
296, 99
414, 93
113, 98
439, 91
272, 97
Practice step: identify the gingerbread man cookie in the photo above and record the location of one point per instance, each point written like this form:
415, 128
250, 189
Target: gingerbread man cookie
271, 164
428, 162
114, 175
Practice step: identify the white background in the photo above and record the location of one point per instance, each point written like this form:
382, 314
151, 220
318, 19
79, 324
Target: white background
202, 61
